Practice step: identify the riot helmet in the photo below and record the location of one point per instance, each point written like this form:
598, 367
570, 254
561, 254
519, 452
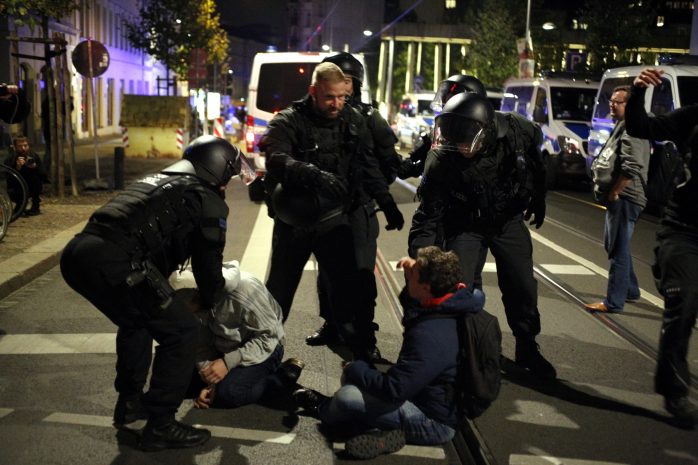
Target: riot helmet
351, 67
455, 85
214, 160
466, 125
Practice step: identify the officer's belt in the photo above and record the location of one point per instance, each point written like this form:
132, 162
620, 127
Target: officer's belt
129, 245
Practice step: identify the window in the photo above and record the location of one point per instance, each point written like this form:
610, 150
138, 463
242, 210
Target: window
540, 110
450, 4
282, 83
688, 90
517, 99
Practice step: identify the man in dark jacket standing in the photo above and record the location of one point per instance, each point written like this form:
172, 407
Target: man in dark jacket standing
676, 255
411, 402
485, 172
319, 171
120, 263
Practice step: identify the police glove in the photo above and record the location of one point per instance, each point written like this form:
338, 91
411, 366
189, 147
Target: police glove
392, 215
536, 209
325, 182
421, 148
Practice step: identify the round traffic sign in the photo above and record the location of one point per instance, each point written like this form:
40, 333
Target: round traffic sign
90, 58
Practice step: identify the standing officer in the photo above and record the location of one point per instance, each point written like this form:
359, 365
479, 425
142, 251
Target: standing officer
120, 262
319, 171
676, 254
363, 219
485, 172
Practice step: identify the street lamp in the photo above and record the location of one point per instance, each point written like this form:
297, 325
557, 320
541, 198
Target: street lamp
368, 33
548, 26
326, 47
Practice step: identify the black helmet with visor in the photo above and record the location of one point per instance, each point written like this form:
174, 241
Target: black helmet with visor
455, 85
466, 125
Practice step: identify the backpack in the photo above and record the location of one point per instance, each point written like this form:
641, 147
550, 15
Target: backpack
668, 171
604, 169
478, 376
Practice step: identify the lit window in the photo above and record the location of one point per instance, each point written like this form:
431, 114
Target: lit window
450, 4
660, 21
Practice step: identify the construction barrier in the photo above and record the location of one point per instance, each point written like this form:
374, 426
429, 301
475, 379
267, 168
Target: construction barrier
124, 136
218, 130
180, 139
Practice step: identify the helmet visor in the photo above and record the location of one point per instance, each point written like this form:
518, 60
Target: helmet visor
469, 140
447, 89
247, 173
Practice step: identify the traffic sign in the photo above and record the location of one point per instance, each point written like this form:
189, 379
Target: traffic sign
90, 58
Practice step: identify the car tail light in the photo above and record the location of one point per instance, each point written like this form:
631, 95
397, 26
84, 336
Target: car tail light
249, 134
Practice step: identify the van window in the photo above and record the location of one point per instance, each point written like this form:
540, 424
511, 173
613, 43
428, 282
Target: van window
517, 99
570, 103
603, 110
688, 90
282, 83
540, 110
662, 100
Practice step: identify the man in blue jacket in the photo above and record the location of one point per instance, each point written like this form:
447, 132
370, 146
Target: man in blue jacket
412, 401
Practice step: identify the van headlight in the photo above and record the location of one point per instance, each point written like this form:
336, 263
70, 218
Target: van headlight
568, 146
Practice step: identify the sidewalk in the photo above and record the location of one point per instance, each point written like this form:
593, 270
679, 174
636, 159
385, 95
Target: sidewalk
33, 245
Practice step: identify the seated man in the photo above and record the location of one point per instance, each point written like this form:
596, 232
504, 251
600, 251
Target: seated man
240, 343
411, 402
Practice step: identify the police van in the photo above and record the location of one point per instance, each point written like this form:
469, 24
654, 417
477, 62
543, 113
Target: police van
679, 87
276, 80
414, 117
562, 104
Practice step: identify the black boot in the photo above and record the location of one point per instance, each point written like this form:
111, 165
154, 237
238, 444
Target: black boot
685, 413
289, 371
309, 400
172, 435
327, 334
129, 410
528, 356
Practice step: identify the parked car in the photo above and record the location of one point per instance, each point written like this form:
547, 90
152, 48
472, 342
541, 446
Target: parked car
679, 87
276, 80
414, 117
562, 105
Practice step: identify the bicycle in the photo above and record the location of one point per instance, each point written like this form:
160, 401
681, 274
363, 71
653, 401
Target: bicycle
20, 190
5, 213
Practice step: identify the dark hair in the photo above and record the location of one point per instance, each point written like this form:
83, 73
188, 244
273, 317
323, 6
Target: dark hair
441, 270
625, 89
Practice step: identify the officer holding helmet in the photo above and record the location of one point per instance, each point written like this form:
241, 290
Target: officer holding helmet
484, 177
364, 222
321, 170
120, 263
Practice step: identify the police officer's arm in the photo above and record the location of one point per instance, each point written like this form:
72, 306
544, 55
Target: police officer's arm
536, 208
207, 246
433, 195
384, 141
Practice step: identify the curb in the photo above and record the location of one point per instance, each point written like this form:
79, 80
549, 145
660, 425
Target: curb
21, 269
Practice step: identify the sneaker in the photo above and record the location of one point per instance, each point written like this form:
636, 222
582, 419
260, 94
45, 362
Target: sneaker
685, 413
290, 370
172, 435
309, 400
327, 334
375, 442
129, 410
528, 356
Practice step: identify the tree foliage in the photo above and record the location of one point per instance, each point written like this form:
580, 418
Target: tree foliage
169, 30
492, 56
29, 12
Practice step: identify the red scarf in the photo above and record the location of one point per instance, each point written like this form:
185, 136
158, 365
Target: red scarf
436, 301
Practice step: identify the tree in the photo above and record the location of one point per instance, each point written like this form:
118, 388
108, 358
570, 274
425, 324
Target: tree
30, 12
492, 56
615, 29
169, 30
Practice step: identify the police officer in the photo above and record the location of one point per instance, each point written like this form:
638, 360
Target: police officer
485, 172
120, 263
319, 151
363, 219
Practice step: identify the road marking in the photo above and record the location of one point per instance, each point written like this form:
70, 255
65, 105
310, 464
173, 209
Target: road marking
241, 434
646, 295
539, 413
518, 459
83, 343
5, 411
255, 260
425, 452
491, 267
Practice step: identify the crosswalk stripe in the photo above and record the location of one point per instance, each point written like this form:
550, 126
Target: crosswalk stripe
224, 432
519, 459
82, 343
5, 411
256, 257
491, 267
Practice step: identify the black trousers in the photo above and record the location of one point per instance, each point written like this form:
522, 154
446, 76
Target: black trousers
364, 227
512, 250
333, 247
92, 266
676, 272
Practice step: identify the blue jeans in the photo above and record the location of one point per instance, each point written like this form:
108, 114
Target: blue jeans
621, 217
350, 406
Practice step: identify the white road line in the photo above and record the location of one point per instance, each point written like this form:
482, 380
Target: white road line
256, 257
216, 431
518, 459
588, 264
491, 267
425, 452
82, 343
5, 411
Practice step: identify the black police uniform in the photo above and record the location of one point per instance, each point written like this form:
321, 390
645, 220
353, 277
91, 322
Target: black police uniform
676, 255
120, 263
480, 204
296, 137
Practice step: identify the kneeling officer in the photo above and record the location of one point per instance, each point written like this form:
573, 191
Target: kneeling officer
120, 263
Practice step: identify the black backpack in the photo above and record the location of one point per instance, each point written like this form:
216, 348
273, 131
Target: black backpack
668, 170
478, 377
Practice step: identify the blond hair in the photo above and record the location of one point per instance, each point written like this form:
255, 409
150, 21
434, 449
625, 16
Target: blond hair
327, 72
